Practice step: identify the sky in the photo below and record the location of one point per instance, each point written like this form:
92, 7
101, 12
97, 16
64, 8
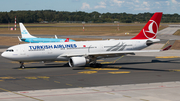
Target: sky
101, 6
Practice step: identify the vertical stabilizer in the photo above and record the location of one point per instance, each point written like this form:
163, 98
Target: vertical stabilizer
67, 40
24, 32
55, 37
150, 30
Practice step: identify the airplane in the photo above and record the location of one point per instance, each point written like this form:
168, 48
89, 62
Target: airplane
27, 37
81, 53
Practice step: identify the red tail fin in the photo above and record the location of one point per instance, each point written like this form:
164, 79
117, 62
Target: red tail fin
67, 40
151, 28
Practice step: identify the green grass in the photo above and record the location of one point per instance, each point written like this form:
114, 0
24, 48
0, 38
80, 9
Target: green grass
94, 31
177, 32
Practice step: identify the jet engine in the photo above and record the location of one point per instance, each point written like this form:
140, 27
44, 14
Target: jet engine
77, 61
152, 41
149, 42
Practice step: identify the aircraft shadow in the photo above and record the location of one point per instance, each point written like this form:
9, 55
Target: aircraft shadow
110, 65
141, 69
153, 61
45, 66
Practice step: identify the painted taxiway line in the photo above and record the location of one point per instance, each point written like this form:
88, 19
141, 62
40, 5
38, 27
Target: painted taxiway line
82, 72
28, 78
164, 57
87, 72
92, 72
90, 68
19, 95
119, 72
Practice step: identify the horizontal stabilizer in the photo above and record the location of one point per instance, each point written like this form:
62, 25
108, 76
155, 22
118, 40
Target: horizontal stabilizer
19, 39
168, 45
167, 48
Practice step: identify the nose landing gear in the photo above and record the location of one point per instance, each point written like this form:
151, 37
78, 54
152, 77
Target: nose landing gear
22, 65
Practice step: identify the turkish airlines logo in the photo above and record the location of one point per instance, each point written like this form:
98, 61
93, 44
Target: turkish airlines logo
151, 31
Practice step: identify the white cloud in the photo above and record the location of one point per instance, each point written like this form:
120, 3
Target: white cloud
136, 5
142, 9
167, 3
144, 6
157, 2
145, 3
174, 1
75, 0
101, 5
137, 1
118, 2
85, 6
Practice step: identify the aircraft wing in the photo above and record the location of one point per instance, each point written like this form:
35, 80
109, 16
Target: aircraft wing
111, 53
117, 53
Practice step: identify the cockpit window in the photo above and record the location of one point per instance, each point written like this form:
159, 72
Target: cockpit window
10, 50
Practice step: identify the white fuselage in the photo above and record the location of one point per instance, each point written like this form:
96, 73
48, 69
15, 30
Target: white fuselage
53, 51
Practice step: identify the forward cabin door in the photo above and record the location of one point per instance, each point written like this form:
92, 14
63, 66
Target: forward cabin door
22, 51
95, 48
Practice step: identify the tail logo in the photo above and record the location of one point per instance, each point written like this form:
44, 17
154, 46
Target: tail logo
24, 32
152, 29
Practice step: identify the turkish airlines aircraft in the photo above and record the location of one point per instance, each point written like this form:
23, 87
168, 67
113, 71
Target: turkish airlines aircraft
81, 53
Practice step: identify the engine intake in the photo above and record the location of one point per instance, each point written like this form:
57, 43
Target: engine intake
152, 41
149, 42
77, 61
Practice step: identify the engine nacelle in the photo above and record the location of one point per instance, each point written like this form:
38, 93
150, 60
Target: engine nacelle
152, 41
77, 61
149, 42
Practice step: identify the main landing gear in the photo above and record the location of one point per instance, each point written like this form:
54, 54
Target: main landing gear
95, 65
22, 65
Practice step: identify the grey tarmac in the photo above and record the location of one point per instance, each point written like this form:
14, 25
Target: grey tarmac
143, 77
121, 78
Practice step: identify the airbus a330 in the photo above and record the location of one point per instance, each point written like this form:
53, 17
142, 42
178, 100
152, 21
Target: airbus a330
81, 53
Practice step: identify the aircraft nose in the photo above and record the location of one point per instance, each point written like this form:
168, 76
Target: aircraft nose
3, 54
9, 55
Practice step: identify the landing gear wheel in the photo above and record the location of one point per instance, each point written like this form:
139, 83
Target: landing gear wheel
22, 65
95, 65
98, 65
91, 65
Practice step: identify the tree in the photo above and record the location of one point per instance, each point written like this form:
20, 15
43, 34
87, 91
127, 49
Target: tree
51, 15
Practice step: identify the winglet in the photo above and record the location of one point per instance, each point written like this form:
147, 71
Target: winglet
167, 48
24, 32
67, 40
